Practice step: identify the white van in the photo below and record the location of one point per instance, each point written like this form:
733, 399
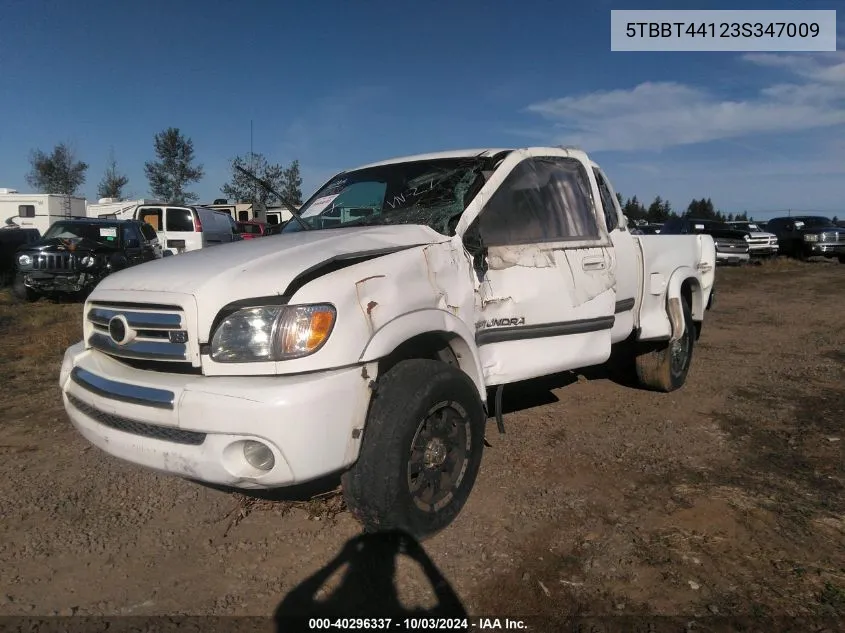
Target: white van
181, 229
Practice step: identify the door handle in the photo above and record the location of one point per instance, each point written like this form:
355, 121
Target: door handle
593, 263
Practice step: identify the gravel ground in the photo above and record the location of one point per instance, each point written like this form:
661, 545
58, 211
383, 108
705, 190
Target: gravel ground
725, 497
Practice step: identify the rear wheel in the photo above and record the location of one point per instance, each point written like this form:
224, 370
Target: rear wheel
842, 259
664, 367
421, 449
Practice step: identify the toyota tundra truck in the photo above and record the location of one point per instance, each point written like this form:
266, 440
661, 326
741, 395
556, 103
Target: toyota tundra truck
373, 336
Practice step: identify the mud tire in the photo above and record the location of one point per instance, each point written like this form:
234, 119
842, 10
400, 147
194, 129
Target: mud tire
412, 398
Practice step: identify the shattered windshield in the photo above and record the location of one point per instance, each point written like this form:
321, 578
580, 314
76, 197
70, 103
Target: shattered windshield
102, 233
429, 192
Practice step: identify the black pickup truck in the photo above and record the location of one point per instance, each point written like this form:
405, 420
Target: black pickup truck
806, 236
74, 255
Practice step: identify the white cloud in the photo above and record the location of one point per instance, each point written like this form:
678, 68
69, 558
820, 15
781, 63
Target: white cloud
821, 67
657, 115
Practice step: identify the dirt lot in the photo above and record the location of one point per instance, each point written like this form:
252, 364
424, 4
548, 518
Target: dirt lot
726, 497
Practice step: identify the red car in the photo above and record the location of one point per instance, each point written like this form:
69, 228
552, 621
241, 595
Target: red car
250, 230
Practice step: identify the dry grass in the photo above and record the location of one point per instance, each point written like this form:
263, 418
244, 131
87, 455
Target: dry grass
33, 339
322, 507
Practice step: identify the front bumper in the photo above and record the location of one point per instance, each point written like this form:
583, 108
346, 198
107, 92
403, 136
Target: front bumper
58, 282
763, 251
194, 426
820, 249
732, 258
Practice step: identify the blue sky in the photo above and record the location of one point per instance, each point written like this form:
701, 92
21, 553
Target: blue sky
337, 84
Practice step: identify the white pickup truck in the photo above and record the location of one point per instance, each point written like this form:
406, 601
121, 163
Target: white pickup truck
363, 339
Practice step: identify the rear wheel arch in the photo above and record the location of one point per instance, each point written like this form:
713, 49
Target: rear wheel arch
684, 285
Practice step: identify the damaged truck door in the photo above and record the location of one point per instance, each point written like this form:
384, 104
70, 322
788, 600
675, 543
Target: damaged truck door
546, 299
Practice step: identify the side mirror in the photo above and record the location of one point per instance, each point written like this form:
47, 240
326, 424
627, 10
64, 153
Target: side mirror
623, 223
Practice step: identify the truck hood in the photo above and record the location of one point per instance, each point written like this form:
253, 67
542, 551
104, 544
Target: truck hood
262, 267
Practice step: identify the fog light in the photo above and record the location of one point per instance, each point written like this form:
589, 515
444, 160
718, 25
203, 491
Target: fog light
258, 455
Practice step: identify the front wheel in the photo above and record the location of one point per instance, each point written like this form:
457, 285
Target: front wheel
421, 450
665, 367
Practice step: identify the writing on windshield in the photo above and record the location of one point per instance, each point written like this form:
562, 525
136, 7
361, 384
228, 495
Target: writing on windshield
428, 192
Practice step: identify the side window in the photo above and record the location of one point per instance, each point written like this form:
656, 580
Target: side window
148, 232
151, 217
129, 232
180, 220
541, 200
611, 219
26, 210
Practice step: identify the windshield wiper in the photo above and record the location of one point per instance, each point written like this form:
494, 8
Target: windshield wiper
293, 210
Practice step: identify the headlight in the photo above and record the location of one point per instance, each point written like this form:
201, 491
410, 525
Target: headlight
88, 261
24, 260
811, 237
272, 333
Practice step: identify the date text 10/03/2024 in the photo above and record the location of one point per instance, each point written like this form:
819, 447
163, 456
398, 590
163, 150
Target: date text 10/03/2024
415, 624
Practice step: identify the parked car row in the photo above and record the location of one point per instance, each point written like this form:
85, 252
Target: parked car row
738, 241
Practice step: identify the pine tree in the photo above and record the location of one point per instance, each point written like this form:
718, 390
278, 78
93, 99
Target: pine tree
174, 169
112, 184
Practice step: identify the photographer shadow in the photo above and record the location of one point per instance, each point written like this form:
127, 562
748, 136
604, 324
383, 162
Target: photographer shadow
367, 588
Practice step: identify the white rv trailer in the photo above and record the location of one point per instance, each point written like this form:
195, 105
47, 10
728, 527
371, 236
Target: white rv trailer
278, 215
240, 211
249, 212
37, 210
114, 208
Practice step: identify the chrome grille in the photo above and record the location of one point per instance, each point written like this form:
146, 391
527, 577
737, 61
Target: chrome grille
731, 246
832, 237
159, 331
154, 431
54, 262
767, 240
